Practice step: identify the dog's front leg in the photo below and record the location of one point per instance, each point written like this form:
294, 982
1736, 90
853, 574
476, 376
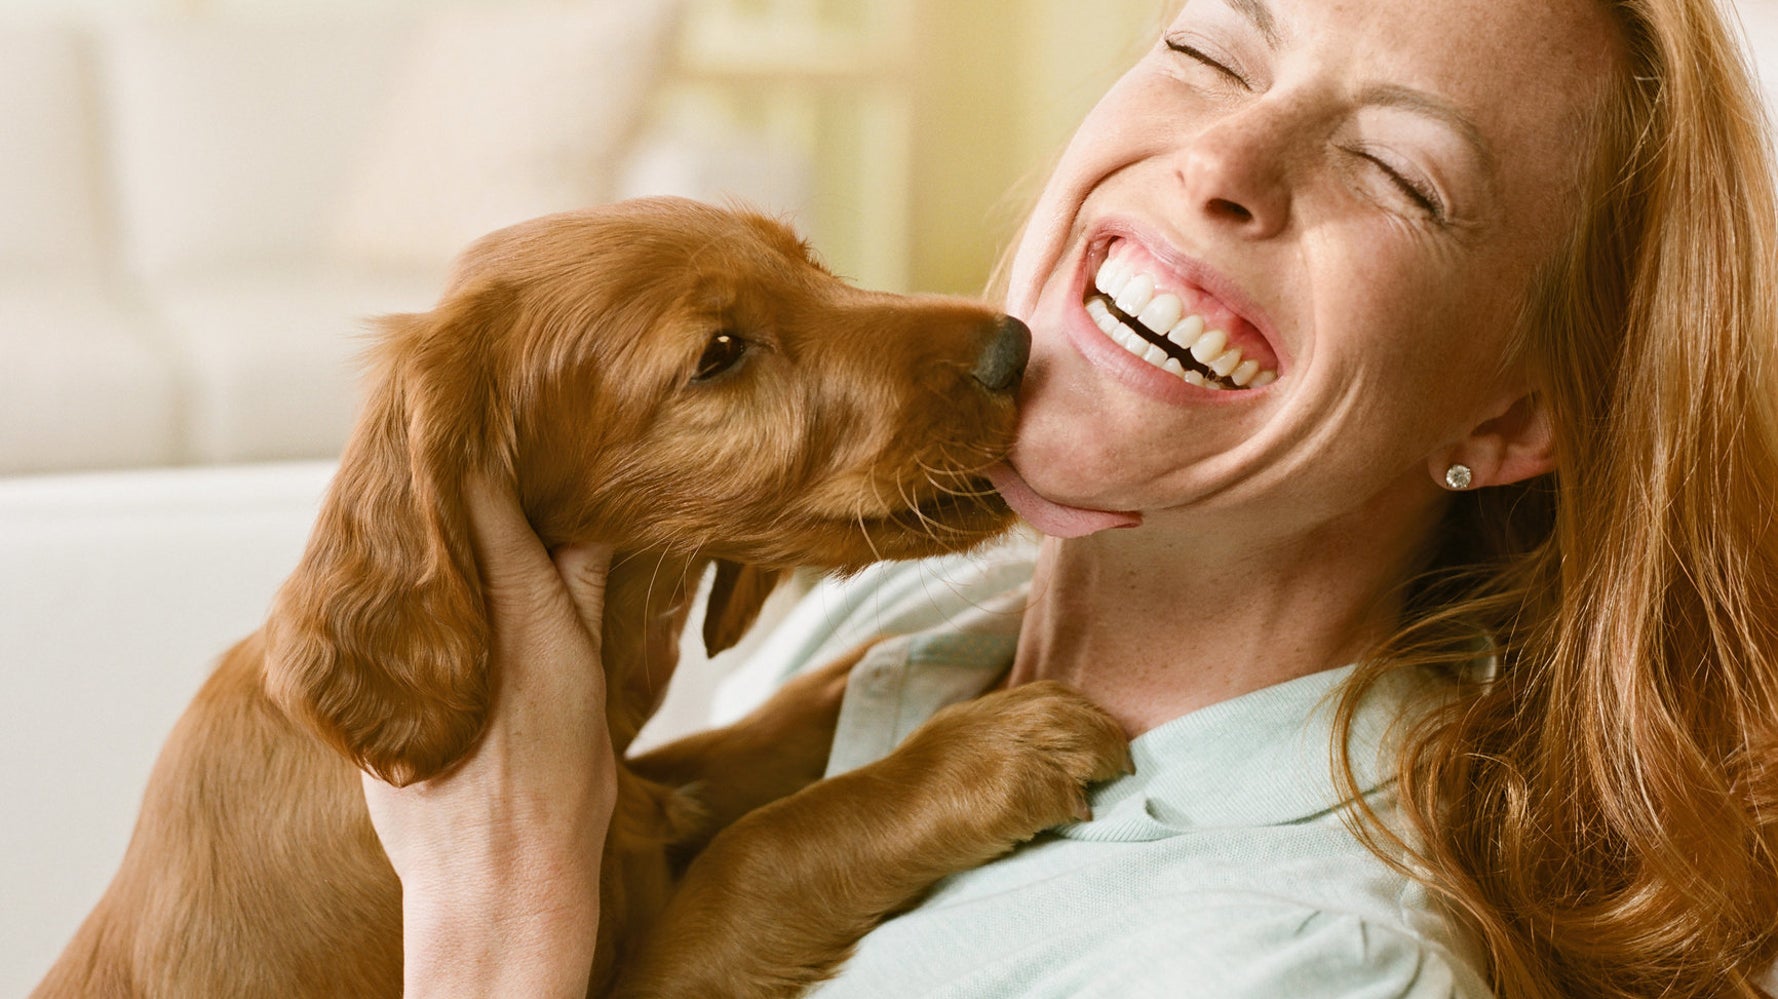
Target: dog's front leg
777, 901
779, 749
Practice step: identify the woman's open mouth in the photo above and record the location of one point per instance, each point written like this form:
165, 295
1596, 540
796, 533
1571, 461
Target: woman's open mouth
1176, 328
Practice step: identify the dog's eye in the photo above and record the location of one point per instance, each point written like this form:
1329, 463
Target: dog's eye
723, 352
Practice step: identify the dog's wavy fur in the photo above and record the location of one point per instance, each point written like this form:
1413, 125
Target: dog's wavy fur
577, 360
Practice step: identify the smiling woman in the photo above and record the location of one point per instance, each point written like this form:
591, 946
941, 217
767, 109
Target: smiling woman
1424, 355
1482, 241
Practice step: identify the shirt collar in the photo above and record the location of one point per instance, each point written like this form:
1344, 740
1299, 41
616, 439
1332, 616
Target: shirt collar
1261, 759
903, 681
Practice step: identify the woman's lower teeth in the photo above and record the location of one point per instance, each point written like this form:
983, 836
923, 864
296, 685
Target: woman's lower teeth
1213, 364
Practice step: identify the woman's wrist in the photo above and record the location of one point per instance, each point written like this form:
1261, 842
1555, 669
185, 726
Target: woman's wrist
499, 914
541, 951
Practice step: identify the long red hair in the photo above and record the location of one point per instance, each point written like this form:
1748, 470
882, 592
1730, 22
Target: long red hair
1604, 808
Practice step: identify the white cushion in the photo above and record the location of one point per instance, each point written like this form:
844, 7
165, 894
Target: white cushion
84, 384
117, 593
49, 215
499, 114
271, 357
232, 137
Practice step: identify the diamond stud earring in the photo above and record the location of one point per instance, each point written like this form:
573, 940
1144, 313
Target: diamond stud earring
1458, 477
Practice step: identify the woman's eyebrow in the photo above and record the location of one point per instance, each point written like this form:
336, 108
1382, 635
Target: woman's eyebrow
1261, 16
1392, 95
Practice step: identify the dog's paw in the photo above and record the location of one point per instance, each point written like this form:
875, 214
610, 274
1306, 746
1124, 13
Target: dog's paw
1021, 759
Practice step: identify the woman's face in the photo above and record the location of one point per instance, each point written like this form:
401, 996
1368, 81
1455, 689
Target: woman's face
1352, 193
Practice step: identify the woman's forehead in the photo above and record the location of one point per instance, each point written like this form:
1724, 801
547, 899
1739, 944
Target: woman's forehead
1471, 48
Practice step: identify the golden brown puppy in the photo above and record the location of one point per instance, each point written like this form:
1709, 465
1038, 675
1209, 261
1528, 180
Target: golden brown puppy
676, 380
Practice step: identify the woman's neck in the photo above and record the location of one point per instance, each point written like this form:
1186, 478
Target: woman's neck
1157, 622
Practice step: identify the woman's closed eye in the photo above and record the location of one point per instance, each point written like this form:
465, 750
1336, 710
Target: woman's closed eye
1419, 192
1200, 53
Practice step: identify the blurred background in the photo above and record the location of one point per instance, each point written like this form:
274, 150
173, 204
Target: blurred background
201, 200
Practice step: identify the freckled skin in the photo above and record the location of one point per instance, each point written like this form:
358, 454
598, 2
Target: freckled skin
1393, 325
1377, 184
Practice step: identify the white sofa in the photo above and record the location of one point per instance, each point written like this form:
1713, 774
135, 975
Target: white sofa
198, 212
118, 590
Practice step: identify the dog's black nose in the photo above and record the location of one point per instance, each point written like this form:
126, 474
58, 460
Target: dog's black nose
1003, 363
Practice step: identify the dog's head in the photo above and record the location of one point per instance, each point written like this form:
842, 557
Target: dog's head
659, 375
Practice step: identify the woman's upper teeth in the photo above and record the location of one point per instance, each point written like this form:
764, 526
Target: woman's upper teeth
1137, 294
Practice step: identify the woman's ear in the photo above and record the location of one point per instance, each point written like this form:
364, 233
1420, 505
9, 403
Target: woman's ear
736, 596
379, 640
1515, 444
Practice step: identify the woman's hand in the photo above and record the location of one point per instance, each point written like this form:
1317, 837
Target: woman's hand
499, 858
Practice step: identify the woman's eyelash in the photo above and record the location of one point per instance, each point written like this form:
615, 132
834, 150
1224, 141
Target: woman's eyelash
1203, 57
1426, 199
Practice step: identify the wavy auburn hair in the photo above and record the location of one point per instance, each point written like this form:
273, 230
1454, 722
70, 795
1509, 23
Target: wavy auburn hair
1604, 809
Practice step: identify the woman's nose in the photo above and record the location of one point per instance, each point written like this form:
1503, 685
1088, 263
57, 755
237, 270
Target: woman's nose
1234, 172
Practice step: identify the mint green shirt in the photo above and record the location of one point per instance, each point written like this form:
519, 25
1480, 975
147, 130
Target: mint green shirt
1221, 869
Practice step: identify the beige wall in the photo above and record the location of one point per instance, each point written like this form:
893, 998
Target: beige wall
999, 86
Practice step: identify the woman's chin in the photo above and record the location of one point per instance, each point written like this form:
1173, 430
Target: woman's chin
1058, 519
1068, 469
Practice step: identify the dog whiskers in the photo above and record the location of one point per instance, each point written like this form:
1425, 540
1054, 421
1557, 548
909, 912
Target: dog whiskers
654, 577
864, 530
934, 475
924, 521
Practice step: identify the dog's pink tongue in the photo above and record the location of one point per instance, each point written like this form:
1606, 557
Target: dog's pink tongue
1053, 519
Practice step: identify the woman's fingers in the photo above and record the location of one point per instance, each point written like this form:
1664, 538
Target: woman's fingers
583, 569
512, 559
545, 611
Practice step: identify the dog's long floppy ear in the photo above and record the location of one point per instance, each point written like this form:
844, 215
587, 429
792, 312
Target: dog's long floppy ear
379, 640
736, 595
